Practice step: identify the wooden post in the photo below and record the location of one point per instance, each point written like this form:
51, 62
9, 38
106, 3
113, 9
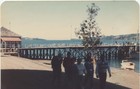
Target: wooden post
29, 53
50, 54
53, 52
37, 53
43, 54
47, 54
26, 53
40, 54
33, 53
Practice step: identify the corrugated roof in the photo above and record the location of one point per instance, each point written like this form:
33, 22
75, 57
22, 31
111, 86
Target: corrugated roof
7, 33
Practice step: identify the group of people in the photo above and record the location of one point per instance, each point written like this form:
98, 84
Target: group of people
78, 74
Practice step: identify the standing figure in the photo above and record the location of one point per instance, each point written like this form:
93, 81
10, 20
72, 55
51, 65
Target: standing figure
81, 73
90, 71
102, 67
68, 64
56, 66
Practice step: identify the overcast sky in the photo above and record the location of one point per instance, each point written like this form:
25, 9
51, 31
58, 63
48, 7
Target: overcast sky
58, 19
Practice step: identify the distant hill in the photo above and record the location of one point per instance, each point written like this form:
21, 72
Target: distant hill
123, 37
26, 41
38, 42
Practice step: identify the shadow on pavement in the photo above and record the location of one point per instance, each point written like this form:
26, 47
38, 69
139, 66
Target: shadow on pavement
36, 79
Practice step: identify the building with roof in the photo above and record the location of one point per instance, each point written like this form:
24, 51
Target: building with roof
10, 41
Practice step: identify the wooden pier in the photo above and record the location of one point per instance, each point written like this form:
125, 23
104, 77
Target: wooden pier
47, 53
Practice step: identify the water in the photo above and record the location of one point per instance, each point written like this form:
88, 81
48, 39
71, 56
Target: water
50, 43
74, 42
117, 64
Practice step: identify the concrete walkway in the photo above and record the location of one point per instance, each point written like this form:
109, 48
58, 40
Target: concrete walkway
21, 73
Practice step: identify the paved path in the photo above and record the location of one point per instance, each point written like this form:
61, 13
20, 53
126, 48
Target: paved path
21, 73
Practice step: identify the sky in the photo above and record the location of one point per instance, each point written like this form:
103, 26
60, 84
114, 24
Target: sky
57, 20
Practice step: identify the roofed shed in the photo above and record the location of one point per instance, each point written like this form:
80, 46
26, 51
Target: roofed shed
10, 41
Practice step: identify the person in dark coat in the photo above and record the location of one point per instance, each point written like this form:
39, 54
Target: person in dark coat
56, 66
68, 64
90, 71
102, 67
81, 74
70, 70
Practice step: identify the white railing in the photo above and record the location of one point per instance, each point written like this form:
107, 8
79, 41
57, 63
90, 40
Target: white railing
8, 50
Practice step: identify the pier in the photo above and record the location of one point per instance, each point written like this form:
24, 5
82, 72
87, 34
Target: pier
48, 52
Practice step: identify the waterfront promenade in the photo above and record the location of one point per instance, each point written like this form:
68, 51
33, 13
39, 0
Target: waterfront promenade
22, 73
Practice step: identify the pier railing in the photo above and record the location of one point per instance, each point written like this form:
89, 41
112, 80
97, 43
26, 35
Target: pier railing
8, 51
48, 52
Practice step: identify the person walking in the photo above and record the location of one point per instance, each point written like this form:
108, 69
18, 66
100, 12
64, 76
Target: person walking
56, 66
102, 66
